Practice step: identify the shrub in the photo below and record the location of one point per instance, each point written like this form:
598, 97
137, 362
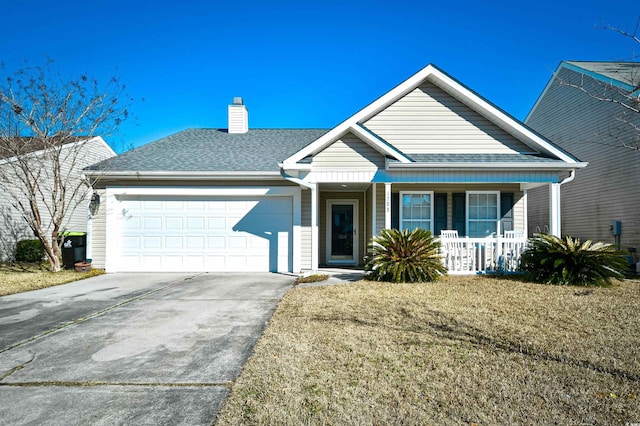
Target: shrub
404, 256
553, 260
29, 251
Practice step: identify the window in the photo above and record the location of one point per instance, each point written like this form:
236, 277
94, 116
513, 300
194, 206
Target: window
483, 213
416, 210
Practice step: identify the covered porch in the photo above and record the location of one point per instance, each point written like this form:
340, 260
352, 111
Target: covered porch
489, 221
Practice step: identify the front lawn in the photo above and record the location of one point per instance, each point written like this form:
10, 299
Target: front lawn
17, 278
459, 351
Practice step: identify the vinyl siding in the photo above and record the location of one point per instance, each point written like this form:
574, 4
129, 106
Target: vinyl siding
98, 233
428, 120
305, 234
380, 207
348, 152
607, 189
13, 228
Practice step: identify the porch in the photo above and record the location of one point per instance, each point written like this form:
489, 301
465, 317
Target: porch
467, 256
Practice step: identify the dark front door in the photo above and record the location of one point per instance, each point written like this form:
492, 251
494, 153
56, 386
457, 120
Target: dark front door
342, 231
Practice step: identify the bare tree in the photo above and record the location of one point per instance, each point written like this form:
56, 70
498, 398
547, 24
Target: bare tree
46, 124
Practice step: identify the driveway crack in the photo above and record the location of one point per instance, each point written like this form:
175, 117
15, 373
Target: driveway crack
96, 314
17, 368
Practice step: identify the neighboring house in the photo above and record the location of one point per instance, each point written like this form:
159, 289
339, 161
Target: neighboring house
430, 153
571, 112
13, 227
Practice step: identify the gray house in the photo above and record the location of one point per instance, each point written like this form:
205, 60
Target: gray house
591, 110
429, 153
74, 157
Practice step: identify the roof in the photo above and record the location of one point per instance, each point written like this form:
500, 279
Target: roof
481, 158
194, 150
21, 145
456, 89
624, 72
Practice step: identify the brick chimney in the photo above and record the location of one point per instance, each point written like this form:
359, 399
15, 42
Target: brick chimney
238, 117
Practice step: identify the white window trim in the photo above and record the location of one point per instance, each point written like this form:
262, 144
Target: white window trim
431, 219
468, 208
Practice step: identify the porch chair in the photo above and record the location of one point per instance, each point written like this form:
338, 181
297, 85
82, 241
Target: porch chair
512, 250
458, 254
448, 233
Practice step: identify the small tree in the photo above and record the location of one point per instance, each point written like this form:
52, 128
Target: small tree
45, 123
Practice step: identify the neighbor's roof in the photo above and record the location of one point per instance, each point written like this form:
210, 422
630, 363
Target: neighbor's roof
195, 150
21, 145
624, 72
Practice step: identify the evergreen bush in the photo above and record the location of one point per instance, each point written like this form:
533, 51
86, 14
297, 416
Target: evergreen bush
404, 256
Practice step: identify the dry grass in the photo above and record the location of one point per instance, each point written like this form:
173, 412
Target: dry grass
18, 278
457, 351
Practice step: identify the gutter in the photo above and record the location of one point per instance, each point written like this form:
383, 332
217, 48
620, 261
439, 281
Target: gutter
487, 165
248, 175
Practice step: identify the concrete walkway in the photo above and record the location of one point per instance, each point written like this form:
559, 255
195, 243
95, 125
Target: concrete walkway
130, 348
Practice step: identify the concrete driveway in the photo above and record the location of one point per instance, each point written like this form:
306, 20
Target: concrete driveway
130, 348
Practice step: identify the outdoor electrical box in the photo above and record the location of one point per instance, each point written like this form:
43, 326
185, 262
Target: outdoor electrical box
615, 227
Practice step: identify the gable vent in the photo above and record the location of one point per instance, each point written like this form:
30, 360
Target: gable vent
238, 117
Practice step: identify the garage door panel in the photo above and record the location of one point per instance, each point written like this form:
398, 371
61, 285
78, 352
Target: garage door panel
206, 234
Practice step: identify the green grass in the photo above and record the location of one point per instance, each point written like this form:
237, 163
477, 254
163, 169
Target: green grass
21, 277
461, 350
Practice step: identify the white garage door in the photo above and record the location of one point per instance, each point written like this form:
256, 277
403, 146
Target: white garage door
206, 234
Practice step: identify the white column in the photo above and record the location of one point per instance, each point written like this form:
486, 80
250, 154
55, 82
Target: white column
374, 218
554, 209
315, 247
525, 200
387, 205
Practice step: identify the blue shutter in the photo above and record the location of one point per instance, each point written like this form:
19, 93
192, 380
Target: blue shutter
506, 212
440, 213
395, 210
460, 213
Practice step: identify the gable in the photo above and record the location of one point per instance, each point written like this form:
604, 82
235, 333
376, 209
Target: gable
428, 120
349, 152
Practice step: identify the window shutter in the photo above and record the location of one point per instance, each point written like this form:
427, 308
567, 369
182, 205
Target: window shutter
395, 210
506, 212
459, 213
440, 213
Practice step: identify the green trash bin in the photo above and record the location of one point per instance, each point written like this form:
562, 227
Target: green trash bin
74, 248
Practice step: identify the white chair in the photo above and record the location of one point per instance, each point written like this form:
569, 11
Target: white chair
513, 234
448, 233
512, 250
458, 254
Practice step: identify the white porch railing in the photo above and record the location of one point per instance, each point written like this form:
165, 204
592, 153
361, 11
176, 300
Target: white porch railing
468, 256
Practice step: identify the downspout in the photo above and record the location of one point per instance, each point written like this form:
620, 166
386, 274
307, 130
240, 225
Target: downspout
556, 216
314, 216
569, 178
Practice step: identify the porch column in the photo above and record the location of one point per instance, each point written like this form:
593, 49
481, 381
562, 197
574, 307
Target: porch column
387, 205
315, 247
554, 209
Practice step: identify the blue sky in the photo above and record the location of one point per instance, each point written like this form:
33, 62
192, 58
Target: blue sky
305, 64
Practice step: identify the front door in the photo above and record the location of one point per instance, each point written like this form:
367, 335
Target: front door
342, 232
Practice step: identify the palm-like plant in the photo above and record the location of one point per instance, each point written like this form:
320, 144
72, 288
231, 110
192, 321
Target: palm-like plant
404, 256
554, 260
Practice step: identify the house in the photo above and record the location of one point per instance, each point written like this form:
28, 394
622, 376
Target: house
13, 227
583, 109
429, 153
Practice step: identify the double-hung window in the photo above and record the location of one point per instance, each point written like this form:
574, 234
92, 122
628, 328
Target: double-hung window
416, 210
483, 214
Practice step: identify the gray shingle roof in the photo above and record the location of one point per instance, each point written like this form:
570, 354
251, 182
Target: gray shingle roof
481, 158
625, 72
195, 150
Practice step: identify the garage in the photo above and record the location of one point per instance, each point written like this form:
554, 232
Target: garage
204, 233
